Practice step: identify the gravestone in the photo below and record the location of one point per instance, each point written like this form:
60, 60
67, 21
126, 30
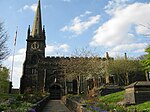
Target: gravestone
137, 92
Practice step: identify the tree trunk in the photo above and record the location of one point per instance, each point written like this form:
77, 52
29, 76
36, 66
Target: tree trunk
127, 78
147, 75
85, 87
107, 79
78, 85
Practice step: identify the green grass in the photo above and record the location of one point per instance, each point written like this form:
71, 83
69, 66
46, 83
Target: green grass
113, 98
141, 107
119, 96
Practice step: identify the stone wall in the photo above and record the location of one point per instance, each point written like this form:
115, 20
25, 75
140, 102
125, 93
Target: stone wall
129, 96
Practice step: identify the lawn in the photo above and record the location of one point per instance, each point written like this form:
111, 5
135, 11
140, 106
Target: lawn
142, 107
113, 98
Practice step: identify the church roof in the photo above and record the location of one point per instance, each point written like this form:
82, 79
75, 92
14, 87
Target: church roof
37, 25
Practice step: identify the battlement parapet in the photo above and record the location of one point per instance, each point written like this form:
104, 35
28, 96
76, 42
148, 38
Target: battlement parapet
58, 58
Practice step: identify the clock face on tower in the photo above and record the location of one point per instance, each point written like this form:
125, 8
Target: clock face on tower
35, 45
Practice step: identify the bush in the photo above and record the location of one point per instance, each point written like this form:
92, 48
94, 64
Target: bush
19, 103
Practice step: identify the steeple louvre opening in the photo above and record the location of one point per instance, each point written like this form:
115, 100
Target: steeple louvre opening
37, 25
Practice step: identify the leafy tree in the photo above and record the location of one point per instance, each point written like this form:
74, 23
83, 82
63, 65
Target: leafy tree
146, 61
4, 79
3, 39
122, 69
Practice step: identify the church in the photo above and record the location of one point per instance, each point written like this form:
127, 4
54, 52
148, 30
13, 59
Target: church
40, 73
47, 74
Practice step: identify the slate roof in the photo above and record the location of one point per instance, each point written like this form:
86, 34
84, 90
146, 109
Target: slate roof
139, 84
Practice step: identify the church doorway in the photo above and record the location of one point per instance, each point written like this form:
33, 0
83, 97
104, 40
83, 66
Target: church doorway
55, 91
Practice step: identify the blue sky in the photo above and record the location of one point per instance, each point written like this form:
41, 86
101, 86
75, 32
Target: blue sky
114, 26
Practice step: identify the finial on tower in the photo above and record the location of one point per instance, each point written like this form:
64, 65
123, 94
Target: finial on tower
107, 55
125, 56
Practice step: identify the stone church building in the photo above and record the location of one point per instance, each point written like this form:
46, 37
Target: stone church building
44, 74
41, 73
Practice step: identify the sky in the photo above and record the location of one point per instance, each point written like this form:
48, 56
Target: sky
114, 26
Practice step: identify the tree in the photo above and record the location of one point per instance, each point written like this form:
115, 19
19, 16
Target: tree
4, 79
3, 39
81, 66
122, 69
146, 61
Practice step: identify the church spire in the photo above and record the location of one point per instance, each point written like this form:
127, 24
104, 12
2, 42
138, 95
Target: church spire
37, 25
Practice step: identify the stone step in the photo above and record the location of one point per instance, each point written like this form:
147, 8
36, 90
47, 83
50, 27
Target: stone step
55, 106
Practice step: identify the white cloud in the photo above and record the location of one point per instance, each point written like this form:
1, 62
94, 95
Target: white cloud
144, 30
56, 48
78, 26
65, 47
32, 7
67, 0
17, 69
85, 14
128, 48
114, 5
116, 31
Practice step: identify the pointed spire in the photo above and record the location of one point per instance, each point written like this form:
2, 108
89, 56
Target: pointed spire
37, 25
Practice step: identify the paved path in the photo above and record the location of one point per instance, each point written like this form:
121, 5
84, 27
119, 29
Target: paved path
55, 106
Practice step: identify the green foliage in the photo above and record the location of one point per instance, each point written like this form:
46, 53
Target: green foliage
11, 102
31, 98
16, 106
146, 61
4, 82
19, 102
123, 69
5, 96
109, 103
113, 98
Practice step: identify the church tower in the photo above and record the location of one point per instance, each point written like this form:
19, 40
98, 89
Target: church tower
35, 51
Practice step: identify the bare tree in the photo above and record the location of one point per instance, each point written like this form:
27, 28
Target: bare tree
83, 65
3, 39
